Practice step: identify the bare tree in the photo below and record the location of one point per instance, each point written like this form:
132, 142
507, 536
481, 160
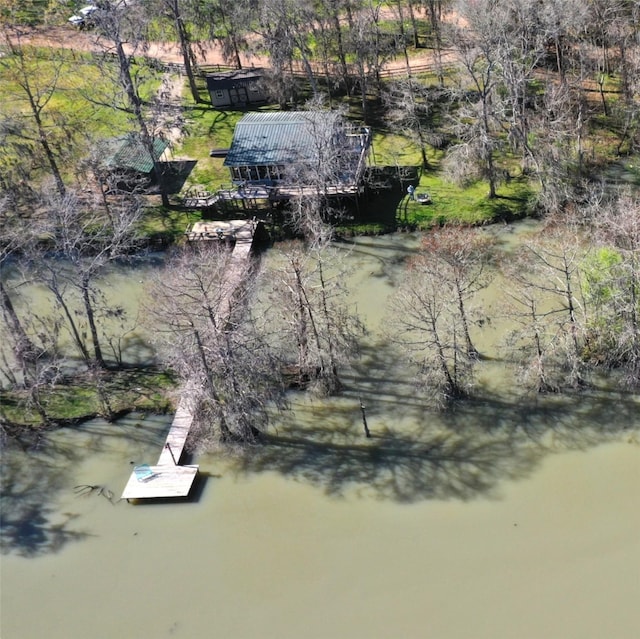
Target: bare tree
613, 288
476, 123
330, 162
559, 128
230, 22
119, 29
520, 41
85, 238
30, 355
203, 316
370, 50
310, 305
284, 29
547, 298
467, 253
32, 127
14, 239
435, 10
425, 319
563, 21
183, 15
409, 109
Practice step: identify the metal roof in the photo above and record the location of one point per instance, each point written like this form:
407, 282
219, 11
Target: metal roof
128, 152
230, 79
281, 137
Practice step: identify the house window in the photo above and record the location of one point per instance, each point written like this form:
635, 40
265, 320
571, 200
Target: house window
253, 87
219, 94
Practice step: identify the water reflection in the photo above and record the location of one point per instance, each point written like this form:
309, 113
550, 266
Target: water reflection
415, 455
30, 523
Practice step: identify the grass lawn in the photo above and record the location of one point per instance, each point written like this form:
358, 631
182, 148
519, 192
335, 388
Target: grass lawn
82, 108
449, 202
207, 128
469, 205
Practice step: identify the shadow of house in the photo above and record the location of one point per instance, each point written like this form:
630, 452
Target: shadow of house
237, 89
297, 150
127, 163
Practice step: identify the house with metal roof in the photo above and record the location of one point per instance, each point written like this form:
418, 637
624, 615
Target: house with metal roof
237, 88
298, 149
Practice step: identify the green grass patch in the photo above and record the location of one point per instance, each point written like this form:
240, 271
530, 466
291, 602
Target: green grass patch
207, 128
166, 224
78, 399
81, 110
25, 12
468, 205
394, 149
449, 203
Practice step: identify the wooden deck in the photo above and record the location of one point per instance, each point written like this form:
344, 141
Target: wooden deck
178, 433
251, 197
169, 479
239, 231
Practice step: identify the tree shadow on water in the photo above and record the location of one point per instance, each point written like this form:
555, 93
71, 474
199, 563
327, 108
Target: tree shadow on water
30, 524
463, 454
399, 466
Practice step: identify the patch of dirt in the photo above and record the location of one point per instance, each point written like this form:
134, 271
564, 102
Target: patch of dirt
64, 37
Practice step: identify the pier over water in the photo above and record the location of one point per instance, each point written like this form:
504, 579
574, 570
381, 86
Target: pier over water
167, 478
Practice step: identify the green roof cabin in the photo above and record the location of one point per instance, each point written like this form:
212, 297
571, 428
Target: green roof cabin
298, 149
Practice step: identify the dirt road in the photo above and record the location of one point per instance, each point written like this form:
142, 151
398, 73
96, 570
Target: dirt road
71, 38
169, 52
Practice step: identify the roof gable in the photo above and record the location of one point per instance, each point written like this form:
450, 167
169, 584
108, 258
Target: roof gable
128, 152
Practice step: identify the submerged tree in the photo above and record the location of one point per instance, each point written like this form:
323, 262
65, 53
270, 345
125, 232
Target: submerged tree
425, 319
309, 305
82, 239
201, 311
612, 281
545, 299
467, 254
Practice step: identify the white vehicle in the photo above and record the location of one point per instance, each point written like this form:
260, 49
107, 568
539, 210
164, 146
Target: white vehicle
83, 17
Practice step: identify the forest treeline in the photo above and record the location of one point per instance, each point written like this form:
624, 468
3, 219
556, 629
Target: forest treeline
538, 90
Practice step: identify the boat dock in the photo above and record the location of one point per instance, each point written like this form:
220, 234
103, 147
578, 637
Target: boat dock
168, 478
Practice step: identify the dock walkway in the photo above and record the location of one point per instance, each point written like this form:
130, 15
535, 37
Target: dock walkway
168, 478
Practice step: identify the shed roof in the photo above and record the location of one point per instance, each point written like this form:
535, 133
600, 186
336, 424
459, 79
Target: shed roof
230, 79
280, 137
128, 152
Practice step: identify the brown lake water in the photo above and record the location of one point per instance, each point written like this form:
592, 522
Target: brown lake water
511, 517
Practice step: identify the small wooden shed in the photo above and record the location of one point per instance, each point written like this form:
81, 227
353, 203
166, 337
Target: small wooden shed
237, 88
